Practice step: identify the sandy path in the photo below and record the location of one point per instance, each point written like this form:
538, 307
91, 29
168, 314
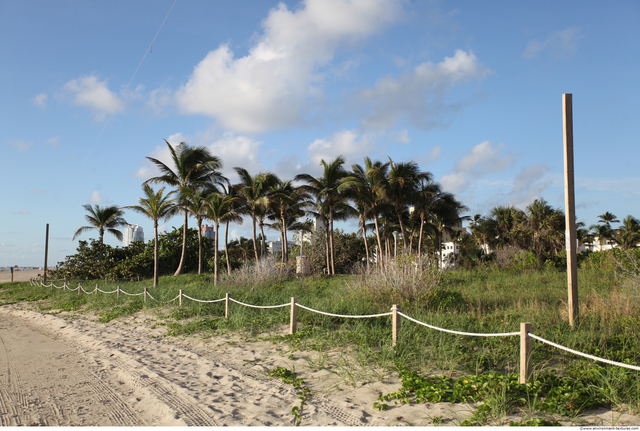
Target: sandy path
71, 370
62, 372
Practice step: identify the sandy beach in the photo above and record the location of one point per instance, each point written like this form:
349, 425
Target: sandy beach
68, 369
5, 276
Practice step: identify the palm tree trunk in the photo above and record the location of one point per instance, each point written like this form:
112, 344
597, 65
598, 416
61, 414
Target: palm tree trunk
333, 267
184, 245
366, 246
420, 238
380, 260
226, 247
263, 242
285, 246
255, 247
155, 253
404, 244
215, 256
326, 232
199, 221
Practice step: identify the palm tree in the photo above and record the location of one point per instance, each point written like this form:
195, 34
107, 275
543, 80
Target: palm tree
234, 215
399, 186
194, 201
368, 201
192, 167
254, 190
327, 189
607, 218
628, 235
105, 219
156, 206
287, 204
545, 227
219, 207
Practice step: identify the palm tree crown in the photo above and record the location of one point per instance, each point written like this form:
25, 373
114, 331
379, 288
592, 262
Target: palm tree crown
104, 219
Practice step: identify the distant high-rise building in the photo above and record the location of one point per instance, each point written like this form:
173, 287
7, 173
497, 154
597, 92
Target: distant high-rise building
132, 232
207, 231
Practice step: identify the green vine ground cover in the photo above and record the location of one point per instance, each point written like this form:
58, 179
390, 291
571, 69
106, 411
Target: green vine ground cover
434, 366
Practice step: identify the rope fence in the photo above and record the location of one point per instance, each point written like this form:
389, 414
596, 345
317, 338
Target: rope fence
526, 336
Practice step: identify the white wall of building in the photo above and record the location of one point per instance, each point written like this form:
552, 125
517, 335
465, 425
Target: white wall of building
132, 232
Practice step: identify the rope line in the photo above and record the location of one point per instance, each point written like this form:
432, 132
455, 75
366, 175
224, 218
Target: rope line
343, 315
260, 306
586, 355
473, 334
501, 334
200, 300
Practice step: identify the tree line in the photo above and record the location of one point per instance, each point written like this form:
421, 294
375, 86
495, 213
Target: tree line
391, 200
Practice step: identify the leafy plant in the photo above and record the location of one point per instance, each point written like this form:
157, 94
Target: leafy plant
303, 392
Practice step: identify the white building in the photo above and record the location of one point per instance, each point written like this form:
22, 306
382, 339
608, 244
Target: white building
276, 246
132, 232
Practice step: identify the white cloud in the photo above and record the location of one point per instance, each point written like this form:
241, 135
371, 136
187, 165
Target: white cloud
347, 143
559, 44
89, 92
95, 197
418, 97
480, 160
403, 137
54, 141
435, 154
271, 86
20, 144
235, 151
528, 186
22, 212
41, 100
231, 149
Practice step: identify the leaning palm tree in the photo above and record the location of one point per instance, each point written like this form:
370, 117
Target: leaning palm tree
156, 206
105, 219
191, 167
287, 203
234, 215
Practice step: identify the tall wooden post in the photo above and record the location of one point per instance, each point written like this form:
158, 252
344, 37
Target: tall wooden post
46, 253
570, 210
180, 297
226, 305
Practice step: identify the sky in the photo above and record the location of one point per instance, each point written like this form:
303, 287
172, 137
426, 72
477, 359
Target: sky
471, 91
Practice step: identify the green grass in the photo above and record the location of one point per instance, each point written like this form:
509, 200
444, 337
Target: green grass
482, 300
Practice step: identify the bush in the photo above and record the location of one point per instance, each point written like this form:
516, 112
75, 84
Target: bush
404, 280
97, 261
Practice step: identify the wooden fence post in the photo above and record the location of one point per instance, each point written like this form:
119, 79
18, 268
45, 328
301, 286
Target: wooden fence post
79, 287
525, 351
226, 305
180, 298
395, 319
118, 292
145, 294
294, 315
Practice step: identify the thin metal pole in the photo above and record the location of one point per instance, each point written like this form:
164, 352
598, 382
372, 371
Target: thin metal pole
46, 253
570, 210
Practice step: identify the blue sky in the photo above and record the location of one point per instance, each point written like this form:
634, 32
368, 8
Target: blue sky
472, 91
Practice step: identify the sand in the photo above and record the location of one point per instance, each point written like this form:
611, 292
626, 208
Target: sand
5, 276
68, 369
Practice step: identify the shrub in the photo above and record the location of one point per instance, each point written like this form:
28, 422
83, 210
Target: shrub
403, 280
